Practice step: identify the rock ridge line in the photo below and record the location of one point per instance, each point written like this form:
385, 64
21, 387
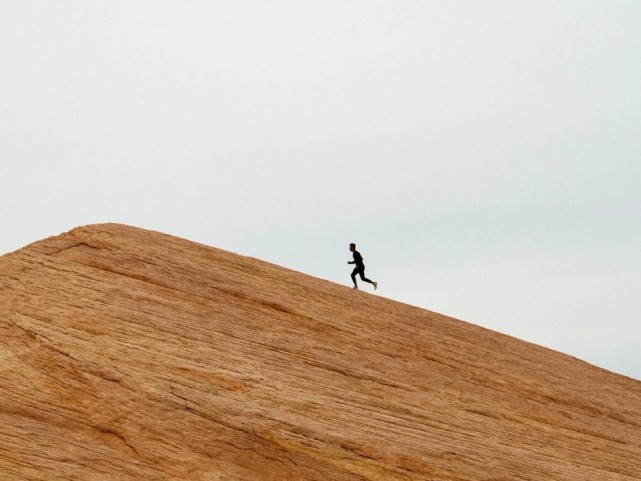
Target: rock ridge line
128, 354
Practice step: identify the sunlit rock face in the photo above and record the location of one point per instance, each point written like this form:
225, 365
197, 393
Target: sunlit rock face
127, 355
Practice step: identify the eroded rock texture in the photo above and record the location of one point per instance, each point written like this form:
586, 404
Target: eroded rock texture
132, 355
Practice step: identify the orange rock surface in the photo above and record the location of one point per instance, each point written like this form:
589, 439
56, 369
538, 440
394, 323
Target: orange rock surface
127, 354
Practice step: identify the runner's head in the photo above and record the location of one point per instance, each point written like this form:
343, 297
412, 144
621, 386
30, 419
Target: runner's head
352, 247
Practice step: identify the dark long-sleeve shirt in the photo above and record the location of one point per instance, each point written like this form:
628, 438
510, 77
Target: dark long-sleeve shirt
358, 259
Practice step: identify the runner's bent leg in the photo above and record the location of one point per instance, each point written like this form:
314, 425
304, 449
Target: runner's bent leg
354, 272
361, 271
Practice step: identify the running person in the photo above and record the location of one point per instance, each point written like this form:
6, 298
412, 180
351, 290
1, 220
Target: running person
360, 267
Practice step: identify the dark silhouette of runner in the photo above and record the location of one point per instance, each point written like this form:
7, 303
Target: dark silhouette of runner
360, 267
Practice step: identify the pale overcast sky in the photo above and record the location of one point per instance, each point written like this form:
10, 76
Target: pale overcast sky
485, 155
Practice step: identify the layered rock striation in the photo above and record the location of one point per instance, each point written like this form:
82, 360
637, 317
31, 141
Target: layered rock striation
128, 355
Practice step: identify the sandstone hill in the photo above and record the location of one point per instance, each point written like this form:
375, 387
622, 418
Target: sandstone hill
127, 355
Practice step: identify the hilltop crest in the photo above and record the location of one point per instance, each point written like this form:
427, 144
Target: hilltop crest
133, 355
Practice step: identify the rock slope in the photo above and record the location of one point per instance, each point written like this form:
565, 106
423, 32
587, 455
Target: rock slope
127, 354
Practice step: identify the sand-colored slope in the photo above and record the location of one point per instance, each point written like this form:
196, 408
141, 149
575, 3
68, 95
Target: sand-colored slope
127, 354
